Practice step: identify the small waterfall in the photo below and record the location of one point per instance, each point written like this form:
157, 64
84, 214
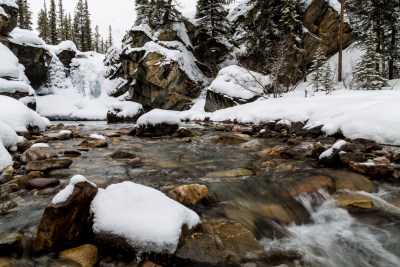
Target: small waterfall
334, 238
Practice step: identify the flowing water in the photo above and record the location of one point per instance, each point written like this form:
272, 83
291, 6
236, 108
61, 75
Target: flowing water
311, 229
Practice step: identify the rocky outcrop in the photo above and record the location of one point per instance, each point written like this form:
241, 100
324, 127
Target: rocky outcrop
216, 101
152, 76
64, 223
66, 56
322, 23
36, 61
8, 22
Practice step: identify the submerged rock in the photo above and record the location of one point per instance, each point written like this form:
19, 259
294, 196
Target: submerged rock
38, 153
189, 194
230, 140
352, 181
66, 219
312, 185
85, 255
355, 201
48, 165
94, 143
230, 173
42, 183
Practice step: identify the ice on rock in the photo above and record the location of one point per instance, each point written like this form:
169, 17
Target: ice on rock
145, 217
63, 195
159, 116
329, 152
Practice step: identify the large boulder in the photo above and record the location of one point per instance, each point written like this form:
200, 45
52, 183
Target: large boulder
38, 153
48, 165
157, 74
66, 220
124, 112
158, 123
321, 21
8, 18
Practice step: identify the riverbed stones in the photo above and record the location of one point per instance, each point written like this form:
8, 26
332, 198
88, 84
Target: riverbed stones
355, 201
268, 164
352, 181
48, 165
10, 243
230, 173
272, 151
38, 153
20, 181
346, 157
219, 243
65, 223
42, 183
120, 154
312, 184
184, 133
113, 134
231, 140
189, 194
58, 136
382, 160
85, 255
94, 143
371, 169
7, 207
162, 129
24, 145
252, 145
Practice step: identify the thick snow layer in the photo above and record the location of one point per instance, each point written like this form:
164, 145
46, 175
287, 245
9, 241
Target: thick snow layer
5, 157
25, 37
63, 195
159, 116
338, 145
181, 31
18, 116
96, 136
63, 46
127, 108
2, 12
175, 52
235, 81
8, 136
12, 87
145, 217
9, 66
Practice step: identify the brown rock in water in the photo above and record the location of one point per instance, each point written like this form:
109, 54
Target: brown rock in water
219, 243
58, 136
229, 140
293, 141
355, 201
230, 173
273, 151
352, 181
236, 129
85, 255
10, 244
24, 145
253, 144
289, 153
113, 134
135, 161
66, 223
38, 153
268, 164
21, 180
48, 165
183, 132
372, 170
346, 157
94, 143
120, 154
312, 185
382, 160
42, 183
148, 263
189, 194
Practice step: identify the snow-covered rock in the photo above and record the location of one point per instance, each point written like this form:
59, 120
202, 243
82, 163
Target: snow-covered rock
8, 16
25, 37
158, 122
124, 112
145, 218
5, 157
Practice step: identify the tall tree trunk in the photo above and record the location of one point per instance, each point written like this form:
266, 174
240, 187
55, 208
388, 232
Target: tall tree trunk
383, 54
378, 44
393, 47
341, 42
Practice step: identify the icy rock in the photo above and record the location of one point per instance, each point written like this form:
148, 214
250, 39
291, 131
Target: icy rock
137, 217
65, 220
158, 123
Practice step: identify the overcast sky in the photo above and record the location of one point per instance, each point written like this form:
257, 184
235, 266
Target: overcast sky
120, 14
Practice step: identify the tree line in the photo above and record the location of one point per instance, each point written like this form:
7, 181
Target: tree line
54, 25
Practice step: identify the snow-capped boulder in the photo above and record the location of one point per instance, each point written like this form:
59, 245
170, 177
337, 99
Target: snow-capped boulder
66, 219
124, 112
158, 123
65, 52
234, 86
137, 218
159, 68
8, 16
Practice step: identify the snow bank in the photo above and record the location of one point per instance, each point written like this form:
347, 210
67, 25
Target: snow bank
12, 87
145, 217
238, 82
159, 116
8, 136
25, 37
18, 116
63, 195
127, 108
5, 157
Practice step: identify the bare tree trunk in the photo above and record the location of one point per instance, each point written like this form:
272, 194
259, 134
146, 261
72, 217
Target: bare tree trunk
391, 60
341, 42
383, 54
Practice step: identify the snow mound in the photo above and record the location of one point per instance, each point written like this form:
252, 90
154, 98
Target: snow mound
40, 145
25, 37
159, 116
9, 66
127, 108
63, 195
238, 82
63, 46
5, 157
145, 217
18, 116
8, 136
96, 136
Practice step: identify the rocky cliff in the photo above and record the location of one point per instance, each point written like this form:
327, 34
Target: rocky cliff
8, 18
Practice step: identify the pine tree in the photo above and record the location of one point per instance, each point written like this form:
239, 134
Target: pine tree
212, 32
43, 24
317, 75
365, 73
24, 15
61, 21
96, 40
143, 9
157, 13
87, 29
110, 40
327, 78
53, 23
79, 26
292, 31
